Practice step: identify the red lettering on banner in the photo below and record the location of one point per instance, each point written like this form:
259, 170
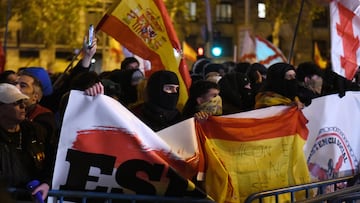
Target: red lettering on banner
350, 42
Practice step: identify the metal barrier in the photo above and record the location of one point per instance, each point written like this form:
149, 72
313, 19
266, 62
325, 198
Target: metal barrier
344, 195
61, 196
319, 186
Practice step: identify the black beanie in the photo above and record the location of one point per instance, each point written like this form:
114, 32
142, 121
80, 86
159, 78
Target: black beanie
307, 69
127, 61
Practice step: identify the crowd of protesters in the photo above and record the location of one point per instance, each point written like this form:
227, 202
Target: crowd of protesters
32, 107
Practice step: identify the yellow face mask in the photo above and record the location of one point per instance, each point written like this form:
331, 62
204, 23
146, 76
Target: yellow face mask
212, 107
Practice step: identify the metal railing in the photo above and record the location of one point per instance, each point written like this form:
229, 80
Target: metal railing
346, 194
61, 196
318, 187
349, 193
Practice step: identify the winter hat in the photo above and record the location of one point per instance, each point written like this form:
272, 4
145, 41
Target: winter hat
198, 66
277, 71
212, 67
10, 94
259, 67
307, 69
127, 61
42, 75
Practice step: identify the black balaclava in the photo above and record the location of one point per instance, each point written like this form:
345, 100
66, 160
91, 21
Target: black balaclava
276, 82
155, 92
232, 89
128, 90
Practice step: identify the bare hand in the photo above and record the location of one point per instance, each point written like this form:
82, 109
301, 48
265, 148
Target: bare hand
43, 189
299, 104
201, 116
89, 52
94, 90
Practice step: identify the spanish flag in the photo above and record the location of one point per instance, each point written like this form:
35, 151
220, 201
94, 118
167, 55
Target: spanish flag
145, 29
243, 156
318, 58
189, 53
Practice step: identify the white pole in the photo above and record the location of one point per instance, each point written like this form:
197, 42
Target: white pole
235, 53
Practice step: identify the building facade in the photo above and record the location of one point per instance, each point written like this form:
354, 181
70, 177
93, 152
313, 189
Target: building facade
223, 23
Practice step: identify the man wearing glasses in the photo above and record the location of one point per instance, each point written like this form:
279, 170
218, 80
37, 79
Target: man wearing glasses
22, 151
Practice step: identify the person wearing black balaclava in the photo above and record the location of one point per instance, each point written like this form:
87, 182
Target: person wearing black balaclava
128, 80
159, 110
236, 93
280, 87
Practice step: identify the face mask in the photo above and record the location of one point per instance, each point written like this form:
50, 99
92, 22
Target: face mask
213, 107
291, 88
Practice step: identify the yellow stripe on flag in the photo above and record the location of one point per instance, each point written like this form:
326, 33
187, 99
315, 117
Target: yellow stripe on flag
318, 58
145, 29
189, 53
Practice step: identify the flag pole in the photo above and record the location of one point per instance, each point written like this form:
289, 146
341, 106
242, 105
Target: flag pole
58, 81
295, 31
209, 28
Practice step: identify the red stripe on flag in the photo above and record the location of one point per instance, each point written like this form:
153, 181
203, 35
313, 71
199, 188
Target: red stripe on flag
249, 129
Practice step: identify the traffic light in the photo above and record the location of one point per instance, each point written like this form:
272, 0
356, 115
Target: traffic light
216, 51
200, 51
221, 47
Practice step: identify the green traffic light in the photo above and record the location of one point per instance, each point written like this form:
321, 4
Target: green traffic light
216, 51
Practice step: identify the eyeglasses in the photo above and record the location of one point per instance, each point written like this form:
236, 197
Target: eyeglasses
19, 103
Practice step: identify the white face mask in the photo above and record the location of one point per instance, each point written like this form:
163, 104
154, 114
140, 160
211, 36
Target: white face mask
213, 106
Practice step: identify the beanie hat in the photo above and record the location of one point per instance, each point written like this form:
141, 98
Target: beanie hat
198, 66
307, 69
10, 94
42, 75
212, 67
277, 71
259, 67
127, 61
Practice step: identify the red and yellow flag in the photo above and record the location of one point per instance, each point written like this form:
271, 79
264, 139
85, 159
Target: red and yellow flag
243, 156
189, 53
145, 29
322, 63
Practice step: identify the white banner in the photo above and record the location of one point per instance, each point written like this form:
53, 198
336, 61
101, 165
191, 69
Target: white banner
333, 145
103, 147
